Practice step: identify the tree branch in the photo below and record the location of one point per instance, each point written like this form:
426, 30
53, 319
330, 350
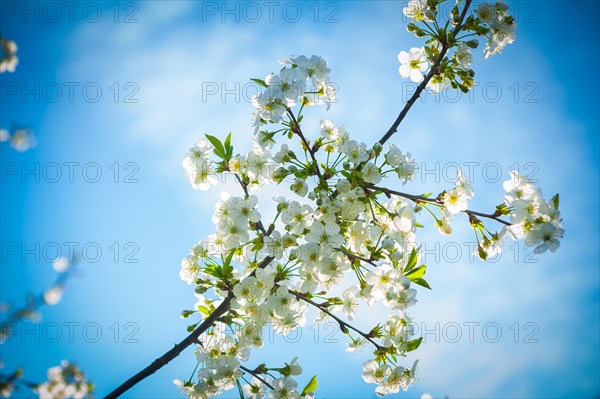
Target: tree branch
420, 198
255, 374
352, 256
177, 349
296, 129
173, 353
341, 322
433, 71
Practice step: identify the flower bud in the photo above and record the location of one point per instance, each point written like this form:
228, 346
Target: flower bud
280, 174
473, 43
395, 256
501, 6
344, 185
429, 16
377, 148
388, 244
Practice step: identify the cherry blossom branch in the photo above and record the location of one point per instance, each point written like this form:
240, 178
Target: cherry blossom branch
255, 374
173, 353
342, 323
14, 380
189, 340
244, 185
433, 71
492, 216
296, 129
247, 370
352, 256
420, 198
34, 304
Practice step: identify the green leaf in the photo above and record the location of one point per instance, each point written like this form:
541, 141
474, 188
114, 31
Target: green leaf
217, 145
229, 257
203, 309
421, 282
555, 201
417, 273
228, 146
414, 344
228, 267
213, 270
260, 82
412, 261
311, 387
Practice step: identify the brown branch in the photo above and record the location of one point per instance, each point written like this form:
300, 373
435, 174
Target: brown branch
341, 322
255, 374
13, 379
352, 256
173, 353
433, 71
420, 198
296, 129
177, 349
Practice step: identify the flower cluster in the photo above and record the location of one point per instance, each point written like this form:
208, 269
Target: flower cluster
389, 379
339, 229
534, 219
493, 23
309, 247
8, 55
302, 80
199, 167
501, 26
65, 381
21, 139
221, 355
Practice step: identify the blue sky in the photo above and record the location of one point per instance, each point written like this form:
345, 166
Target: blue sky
536, 107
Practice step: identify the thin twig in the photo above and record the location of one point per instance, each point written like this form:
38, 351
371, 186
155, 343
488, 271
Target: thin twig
298, 130
258, 377
13, 379
340, 321
420, 198
433, 71
177, 349
37, 302
173, 353
352, 256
